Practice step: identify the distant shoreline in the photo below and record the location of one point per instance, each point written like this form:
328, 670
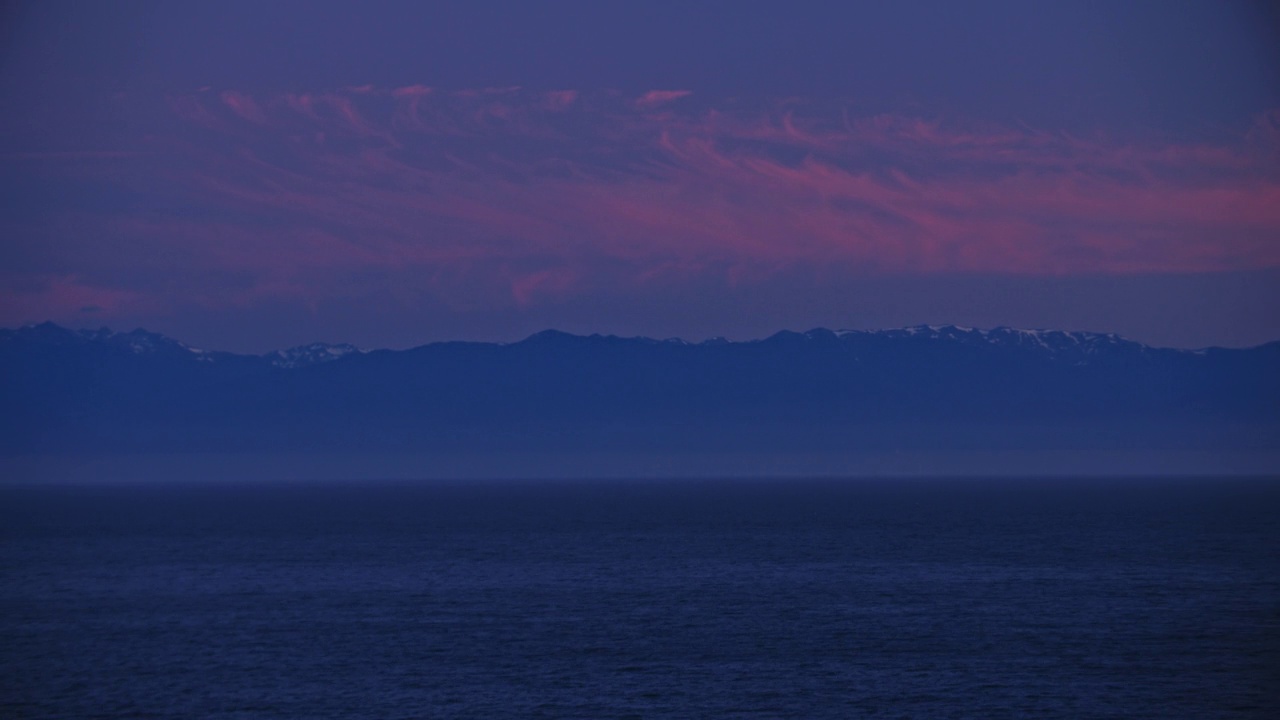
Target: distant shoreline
91, 469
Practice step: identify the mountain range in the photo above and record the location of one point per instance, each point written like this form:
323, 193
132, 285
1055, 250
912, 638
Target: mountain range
912, 389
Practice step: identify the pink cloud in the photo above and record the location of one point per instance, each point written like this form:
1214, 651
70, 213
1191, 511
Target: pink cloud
559, 99
412, 91
244, 106
527, 288
68, 297
528, 196
654, 98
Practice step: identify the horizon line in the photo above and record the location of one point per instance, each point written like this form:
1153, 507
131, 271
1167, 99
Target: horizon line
716, 339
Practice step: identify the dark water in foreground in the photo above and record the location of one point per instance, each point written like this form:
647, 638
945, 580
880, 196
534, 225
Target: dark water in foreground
807, 599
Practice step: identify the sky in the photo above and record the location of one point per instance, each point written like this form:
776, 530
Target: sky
253, 175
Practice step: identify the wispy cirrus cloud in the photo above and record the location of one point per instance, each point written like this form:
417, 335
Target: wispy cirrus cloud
654, 98
67, 296
535, 197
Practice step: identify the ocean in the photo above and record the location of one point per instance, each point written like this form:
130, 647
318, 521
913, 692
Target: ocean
800, 598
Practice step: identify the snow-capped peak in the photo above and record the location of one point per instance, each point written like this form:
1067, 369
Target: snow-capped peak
1053, 342
312, 354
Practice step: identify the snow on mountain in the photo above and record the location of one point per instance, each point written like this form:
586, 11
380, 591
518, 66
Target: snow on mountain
312, 354
137, 342
1052, 341
1064, 346
925, 386
141, 342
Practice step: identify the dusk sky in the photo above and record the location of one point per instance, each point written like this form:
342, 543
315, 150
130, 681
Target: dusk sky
254, 175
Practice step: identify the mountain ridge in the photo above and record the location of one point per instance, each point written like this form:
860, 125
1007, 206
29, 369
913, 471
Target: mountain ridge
904, 390
140, 340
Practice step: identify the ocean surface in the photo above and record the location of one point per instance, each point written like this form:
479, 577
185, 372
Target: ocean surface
861, 598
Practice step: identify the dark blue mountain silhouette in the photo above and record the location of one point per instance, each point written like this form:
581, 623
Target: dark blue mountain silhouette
67, 391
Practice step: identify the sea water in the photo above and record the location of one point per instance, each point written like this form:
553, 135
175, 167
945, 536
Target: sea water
1134, 598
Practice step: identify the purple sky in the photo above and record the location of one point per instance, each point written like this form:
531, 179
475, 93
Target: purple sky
245, 177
